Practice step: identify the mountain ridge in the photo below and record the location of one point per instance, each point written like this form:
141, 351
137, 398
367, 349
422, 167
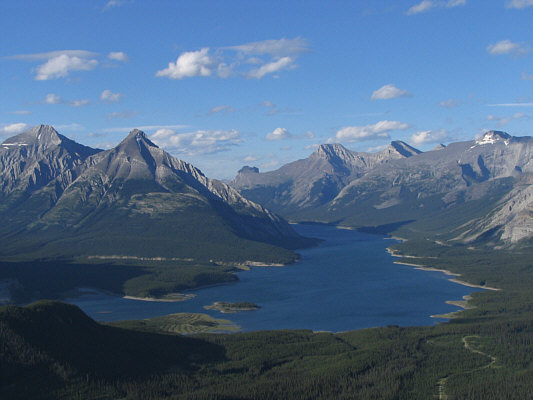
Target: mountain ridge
133, 199
401, 184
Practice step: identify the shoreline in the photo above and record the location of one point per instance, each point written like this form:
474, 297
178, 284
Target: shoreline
446, 272
463, 304
178, 297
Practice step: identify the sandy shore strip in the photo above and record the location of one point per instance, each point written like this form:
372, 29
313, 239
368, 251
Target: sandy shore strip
174, 297
446, 272
464, 304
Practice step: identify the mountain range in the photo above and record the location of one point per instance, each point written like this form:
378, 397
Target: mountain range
62, 199
470, 192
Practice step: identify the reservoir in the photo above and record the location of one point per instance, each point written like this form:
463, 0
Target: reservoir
348, 282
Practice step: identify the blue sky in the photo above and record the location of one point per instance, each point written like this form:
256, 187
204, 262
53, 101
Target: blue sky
222, 84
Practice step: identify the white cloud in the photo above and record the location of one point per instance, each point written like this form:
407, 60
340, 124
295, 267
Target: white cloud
427, 5
309, 135
430, 136
450, 103
270, 164
250, 158
271, 67
14, 129
368, 132
275, 47
79, 103
198, 142
527, 77
53, 54
511, 105
118, 56
52, 98
224, 108
278, 134
189, 64
389, 91
60, 63
145, 128
519, 4
115, 3
108, 96
502, 121
250, 60
424, 6
60, 66
375, 149
507, 47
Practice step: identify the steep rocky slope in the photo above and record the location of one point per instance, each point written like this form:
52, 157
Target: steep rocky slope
138, 200
316, 180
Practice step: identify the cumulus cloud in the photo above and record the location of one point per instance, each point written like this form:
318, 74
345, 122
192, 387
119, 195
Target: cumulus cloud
278, 134
118, 56
507, 47
368, 132
427, 5
250, 60
198, 142
424, 137
189, 64
223, 108
52, 98
60, 66
389, 91
60, 63
14, 129
110, 97
519, 4
502, 121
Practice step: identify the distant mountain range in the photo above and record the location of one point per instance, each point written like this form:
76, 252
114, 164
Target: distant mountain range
469, 192
62, 199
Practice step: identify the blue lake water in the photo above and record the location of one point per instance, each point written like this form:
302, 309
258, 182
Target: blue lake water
348, 282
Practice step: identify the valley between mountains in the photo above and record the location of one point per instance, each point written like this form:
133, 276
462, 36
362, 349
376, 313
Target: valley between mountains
136, 221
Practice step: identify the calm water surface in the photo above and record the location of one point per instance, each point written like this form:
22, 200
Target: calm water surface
348, 282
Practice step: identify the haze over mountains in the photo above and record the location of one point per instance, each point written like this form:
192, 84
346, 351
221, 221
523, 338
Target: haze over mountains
471, 192
59, 198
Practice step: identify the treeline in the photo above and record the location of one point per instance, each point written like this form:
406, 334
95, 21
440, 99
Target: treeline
52, 350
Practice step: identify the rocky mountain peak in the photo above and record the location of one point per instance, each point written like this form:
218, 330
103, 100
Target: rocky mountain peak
492, 137
332, 151
440, 146
137, 136
401, 148
41, 135
248, 170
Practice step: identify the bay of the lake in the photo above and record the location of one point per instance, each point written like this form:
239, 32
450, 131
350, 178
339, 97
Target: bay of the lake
347, 282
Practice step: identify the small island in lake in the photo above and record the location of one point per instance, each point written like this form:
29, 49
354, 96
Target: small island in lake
229, 308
